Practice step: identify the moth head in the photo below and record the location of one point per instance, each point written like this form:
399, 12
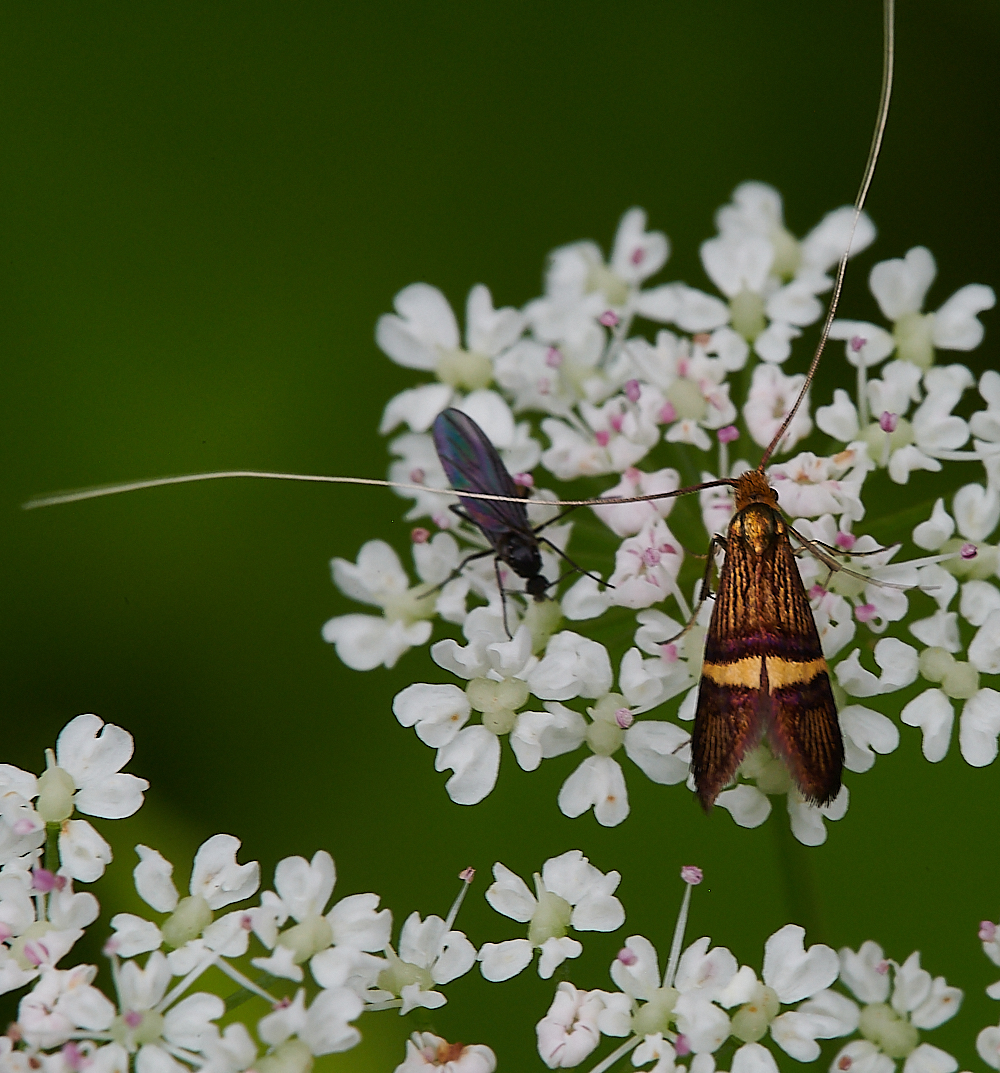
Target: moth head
752, 487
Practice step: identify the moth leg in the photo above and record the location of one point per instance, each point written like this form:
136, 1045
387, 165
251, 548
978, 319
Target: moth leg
840, 551
576, 566
816, 550
552, 521
458, 570
706, 588
503, 596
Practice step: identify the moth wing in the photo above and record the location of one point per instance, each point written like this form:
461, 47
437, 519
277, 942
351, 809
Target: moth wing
804, 727
728, 720
472, 464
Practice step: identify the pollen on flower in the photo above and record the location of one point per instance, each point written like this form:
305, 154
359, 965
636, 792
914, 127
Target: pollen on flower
419, 535
609, 318
624, 718
692, 875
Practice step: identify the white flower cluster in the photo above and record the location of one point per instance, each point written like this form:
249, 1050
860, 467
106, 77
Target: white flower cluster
988, 1041
605, 398
322, 965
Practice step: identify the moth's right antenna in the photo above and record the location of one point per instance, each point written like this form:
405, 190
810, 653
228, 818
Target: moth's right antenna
888, 56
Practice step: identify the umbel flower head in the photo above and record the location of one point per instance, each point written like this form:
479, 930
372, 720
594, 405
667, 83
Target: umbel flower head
576, 384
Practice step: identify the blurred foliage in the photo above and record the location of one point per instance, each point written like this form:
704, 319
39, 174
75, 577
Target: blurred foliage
208, 206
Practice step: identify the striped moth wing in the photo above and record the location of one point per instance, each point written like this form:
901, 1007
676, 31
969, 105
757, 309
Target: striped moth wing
764, 674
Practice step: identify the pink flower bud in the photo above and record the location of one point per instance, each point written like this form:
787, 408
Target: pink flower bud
857, 342
524, 480
5, 932
682, 1045
701, 339
845, 1063
638, 255
417, 475
865, 612
728, 434
616, 421
632, 475
668, 653
419, 535
651, 557
133, 1018
969, 551
845, 541
632, 390
816, 592
609, 318
602, 438
627, 956
888, 422
692, 875
467, 875
987, 931
667, 414
43, 880
554, 357
882, 967
624, 718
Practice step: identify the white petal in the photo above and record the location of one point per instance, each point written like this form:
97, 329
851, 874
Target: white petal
979, 727
133, 935
153, 881
437, 711
746, 804
955, 323
597, 783
988, 1046
866, 733
415, 408
979, 598
825, 244
774, 344
217, 876
839, 420
933, 713
654, 746
753, 1058
702, 1022
976, 510
83, 853
364, 642
900, 285
91, 750
554, 952
931, 534
929, 1059
474, 756
510, 895
877, 343
984, 649
428, 312
860, 971
503, 961
794, 972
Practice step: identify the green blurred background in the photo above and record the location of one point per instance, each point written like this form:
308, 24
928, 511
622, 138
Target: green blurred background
207, 208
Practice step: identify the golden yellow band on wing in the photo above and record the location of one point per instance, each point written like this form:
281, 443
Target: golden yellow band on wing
742, 672
786, 672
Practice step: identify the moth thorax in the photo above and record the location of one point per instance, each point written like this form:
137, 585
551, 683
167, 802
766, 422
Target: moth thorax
520, 553
536, 586
757, 525
752, 487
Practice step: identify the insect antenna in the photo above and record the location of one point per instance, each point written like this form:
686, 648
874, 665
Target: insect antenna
888, 57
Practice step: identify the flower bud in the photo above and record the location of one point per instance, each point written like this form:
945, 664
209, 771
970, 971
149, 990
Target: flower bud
292, 1056
187, 921
55, 795
891, 1032
307, 938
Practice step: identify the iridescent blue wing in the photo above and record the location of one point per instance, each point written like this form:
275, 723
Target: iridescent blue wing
472, 464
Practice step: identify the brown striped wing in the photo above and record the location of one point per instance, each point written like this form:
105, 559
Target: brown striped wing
764, 671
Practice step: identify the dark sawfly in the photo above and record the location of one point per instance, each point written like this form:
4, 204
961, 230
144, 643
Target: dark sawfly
472, 463
764, 674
